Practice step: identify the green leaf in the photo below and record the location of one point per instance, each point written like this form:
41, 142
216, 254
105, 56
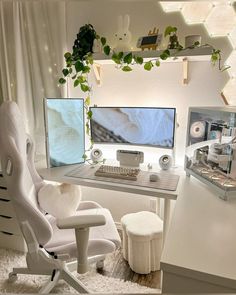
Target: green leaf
84, 87
89, 114
165, 54
62, 81
90, 59
148, 66
87, 101
103, 41
79, 66
65, 72
157, 63
67, 55
81, 79
126, 69
76, 83
128, 58
107, 49
87, 129
138, 60
84, 156
120, 55
217, 51
170, 30
167, 51
115, 58
214, 57
70, 70
86, 70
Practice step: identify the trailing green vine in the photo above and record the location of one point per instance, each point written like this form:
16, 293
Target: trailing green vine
80, 61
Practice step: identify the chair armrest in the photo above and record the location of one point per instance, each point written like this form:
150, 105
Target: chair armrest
82, 221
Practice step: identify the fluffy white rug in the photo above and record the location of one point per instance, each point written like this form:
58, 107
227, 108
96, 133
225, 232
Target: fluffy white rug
95, 282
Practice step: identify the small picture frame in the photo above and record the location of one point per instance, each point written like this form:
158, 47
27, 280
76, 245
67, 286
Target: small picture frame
150, 41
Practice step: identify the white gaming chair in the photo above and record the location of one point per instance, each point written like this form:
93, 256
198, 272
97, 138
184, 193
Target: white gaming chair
50, 242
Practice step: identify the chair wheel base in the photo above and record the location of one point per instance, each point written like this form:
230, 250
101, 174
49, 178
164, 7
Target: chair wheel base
12, 277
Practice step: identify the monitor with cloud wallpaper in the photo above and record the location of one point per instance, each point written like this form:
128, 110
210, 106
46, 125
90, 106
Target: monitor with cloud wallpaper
64, 122
149, 126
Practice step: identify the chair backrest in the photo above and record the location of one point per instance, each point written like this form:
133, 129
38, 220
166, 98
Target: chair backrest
17, 163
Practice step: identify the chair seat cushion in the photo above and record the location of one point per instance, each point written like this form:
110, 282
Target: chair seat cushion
102, 239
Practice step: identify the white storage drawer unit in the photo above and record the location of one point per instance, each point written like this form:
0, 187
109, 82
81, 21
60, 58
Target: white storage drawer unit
10, 234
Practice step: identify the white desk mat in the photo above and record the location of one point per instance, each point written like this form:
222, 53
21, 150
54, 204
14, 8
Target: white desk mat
166, 180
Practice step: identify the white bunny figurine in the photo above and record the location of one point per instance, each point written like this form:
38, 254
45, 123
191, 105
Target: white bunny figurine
123, 35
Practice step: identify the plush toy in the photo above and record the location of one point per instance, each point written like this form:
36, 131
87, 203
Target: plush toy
123, 35
59, 200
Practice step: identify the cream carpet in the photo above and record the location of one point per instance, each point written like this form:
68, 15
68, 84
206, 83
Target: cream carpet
95, 282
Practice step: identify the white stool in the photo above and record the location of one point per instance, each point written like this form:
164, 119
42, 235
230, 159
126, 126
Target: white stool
142, 241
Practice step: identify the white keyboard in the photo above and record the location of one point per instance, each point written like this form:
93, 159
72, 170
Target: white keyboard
117, 172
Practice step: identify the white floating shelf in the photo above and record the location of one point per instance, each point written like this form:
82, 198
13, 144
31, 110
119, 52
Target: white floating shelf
197, 54
202, 53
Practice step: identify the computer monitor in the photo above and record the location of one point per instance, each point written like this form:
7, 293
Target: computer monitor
64, 124
133, 125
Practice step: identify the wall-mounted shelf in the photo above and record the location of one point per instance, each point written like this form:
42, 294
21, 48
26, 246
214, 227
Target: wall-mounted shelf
197, 54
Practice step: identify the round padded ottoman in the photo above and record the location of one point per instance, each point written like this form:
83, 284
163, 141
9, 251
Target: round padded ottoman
142, 241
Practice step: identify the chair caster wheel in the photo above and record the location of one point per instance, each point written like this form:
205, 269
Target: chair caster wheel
100, 265
12, 277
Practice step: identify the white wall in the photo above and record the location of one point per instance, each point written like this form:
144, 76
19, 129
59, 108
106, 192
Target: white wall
160, 87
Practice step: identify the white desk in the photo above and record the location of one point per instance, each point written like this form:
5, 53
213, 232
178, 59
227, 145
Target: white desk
199, 255
59, 174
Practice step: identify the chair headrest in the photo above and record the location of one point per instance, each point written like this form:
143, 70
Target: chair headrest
12, 124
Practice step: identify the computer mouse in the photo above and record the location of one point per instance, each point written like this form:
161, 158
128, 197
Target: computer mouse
153, 177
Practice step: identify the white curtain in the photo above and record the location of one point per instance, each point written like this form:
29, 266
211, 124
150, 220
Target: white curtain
32, 45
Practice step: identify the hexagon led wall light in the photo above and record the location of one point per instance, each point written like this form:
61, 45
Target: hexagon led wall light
196, 12
171, 6
221, 20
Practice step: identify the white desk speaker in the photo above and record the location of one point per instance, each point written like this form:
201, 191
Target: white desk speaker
165, 162
96, 155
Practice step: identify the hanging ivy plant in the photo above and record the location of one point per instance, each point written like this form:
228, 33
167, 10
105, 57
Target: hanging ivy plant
80, 60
